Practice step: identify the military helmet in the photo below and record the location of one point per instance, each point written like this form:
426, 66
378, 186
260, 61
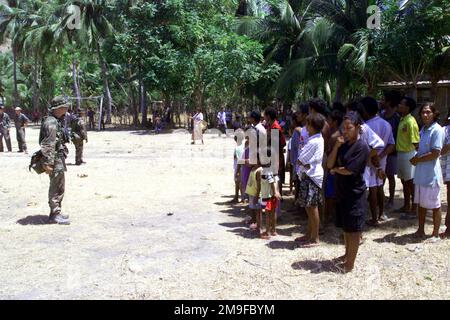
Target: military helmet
59, 102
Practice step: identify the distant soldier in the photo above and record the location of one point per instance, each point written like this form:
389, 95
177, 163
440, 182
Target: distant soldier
91, 115
78, 135
21, 121
5, 126
52, 140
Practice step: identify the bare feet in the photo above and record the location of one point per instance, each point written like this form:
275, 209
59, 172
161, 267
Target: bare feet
445, 235
264, 236
344, 268
253, 226
274, 234
340, 260
303, 239
419, 234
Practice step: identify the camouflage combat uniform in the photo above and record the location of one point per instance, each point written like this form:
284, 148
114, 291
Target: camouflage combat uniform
78, 134
20, 122
52, 140
5, 124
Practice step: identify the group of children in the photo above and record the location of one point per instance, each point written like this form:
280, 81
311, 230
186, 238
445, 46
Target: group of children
335, 157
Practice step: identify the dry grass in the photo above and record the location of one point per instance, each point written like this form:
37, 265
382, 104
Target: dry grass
124, 242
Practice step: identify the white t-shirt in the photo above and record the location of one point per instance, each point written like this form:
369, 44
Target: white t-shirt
312, 155
198, 117
371, 138
304, 136
222, 117
261, 128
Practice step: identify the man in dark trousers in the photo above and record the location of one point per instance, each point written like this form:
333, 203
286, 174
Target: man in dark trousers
52, 140
5, 126
21, 121
78, 135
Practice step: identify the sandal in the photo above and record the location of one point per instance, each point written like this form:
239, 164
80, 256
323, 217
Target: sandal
309, 245
433, 240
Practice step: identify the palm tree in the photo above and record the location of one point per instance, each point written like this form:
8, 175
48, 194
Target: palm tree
94, 29
15, 18
39, 40
282, 26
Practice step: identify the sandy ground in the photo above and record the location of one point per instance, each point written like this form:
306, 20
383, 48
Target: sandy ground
151, 221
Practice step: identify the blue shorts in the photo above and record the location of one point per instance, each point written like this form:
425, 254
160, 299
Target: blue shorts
330, 191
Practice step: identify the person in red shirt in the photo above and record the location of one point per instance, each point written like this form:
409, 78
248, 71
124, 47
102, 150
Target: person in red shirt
270, 116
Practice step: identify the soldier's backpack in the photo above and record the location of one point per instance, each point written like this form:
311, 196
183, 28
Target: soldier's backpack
37, 162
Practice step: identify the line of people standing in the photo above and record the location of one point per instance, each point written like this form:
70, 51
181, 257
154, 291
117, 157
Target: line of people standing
340, 162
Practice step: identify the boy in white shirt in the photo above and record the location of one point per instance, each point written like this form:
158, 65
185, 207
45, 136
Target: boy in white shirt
375, 177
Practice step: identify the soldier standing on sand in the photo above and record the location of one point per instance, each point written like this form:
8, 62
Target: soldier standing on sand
21, 121
5, 125
52, 140
78, 134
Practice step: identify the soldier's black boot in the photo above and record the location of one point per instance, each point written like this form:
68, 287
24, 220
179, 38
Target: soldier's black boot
59, 219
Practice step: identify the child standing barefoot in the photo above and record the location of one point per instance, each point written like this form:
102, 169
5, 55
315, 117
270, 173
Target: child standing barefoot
310, 158
253, 190
271, 197
238, 152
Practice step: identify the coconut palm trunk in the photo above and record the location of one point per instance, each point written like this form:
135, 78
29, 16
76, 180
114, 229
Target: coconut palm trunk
16, 98
35, 84
107, 92
76, 89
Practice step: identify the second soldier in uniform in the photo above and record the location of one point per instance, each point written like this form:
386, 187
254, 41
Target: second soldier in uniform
21, 122
5, 126
78, 135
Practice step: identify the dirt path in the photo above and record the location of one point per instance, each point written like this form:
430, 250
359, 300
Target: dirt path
151, 221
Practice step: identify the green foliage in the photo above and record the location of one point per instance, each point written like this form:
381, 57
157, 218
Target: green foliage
213, 52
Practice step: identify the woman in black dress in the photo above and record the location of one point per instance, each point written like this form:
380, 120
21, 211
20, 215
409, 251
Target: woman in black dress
347, 162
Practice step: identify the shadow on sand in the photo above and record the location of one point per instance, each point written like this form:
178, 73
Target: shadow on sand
33, 220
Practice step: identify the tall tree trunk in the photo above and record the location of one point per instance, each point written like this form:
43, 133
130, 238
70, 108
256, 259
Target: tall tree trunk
133, 98
340, 87
16, 98
35, 84
108, 98
76, 89
143, 100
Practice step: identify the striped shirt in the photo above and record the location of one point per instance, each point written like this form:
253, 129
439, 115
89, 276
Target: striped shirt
311, 157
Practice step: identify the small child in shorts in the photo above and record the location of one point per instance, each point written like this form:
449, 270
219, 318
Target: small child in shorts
271, 197
238, 152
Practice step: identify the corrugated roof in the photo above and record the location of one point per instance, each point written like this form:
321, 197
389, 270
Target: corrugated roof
423, 84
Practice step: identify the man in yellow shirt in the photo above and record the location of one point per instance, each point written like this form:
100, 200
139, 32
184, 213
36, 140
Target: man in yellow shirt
407, 141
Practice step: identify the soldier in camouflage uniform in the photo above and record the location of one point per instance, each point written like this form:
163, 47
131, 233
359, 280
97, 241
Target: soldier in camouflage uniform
78, 135
52, 140
5, 125
21, 121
